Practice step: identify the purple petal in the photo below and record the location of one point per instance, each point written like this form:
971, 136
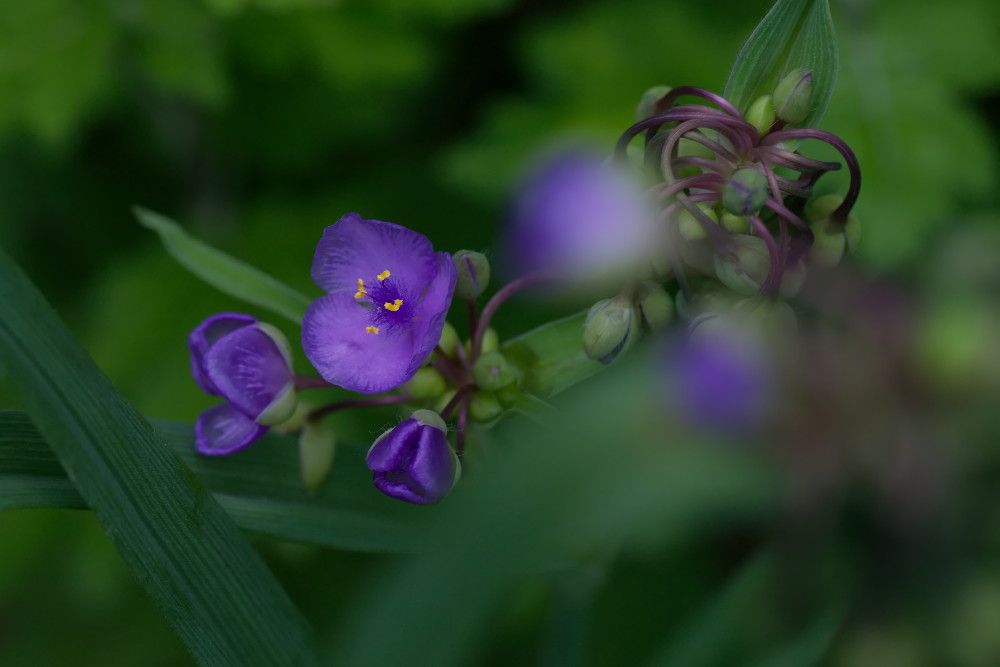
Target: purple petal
249, 370
223, 429
335, 341
205, 335
413, 462
353, 248
432, 310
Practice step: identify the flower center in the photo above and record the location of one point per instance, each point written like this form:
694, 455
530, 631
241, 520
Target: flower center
389, 306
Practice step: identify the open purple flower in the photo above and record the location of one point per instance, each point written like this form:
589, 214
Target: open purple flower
246, 362
413, 462
388, 295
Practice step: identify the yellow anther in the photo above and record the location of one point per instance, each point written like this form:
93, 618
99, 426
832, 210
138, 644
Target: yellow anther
373, 330
394, 306
385, 274
361, 289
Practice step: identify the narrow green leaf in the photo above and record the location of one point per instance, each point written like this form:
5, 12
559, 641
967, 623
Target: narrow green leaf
211, 586
551, 357
227, 274
260, 488
794, 34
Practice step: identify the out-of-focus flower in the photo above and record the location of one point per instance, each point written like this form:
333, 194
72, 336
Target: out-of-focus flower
579, 218
720, 379
388, 295
413, 461
246, 362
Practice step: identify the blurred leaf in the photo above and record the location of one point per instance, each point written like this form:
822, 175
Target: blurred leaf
551, 357
812, 645
223, 272
261, 488
794, 34
706, 638
213, 589
557, 496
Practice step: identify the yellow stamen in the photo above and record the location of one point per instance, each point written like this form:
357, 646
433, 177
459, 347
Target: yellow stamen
393, 306
373, 330
361, 289
385, 274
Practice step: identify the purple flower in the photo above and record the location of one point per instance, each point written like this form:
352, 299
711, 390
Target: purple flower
413, 461
721, 381
247, 363
388, 295
576, 215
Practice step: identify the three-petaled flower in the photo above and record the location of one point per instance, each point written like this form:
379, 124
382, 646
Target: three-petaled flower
388, 295
246, 362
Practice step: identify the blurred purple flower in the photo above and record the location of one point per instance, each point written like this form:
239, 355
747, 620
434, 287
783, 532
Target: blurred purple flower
388, 295
413, 462
247, 363
720, 382
578, 217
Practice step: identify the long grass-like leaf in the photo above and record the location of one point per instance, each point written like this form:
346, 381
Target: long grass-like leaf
260, 488
223, 272
183, 548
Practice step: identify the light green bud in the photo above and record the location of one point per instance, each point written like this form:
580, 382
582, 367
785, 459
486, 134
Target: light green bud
491, 342
793, 96
609, 329
774, 319
492, 371
425, 384
430, 418
444, 400
744, 267
281, 409
690, 148
745, 192
690, 227
484, 406
317, 446
761, 114
647, 103
449, 339
654, 304
473, 274
829, 244
734, 224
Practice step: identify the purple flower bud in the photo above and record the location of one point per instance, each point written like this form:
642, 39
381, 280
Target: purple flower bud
247, 363
413, 461
388, 295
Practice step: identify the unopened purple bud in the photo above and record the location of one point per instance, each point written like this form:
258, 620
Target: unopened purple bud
413, 461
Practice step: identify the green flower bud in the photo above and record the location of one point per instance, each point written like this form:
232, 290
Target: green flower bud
484, 406
473, 273
745, 192
449, 340
492, 371
281, 409
793, 96
734, 224
821, 207
775, 320
444, 400
491, 342
706, 296
425, 384
761, 114
744, 267
829, 244
609, 329
317, 445
647, 103
792, 280
690, 227
654, 304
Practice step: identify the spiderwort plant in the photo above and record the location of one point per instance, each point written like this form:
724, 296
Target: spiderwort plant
246, 362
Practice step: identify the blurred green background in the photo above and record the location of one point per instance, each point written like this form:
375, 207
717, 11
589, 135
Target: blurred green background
255, 123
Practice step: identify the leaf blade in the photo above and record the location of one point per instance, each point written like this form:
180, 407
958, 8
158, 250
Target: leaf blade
223, 272
213, 589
